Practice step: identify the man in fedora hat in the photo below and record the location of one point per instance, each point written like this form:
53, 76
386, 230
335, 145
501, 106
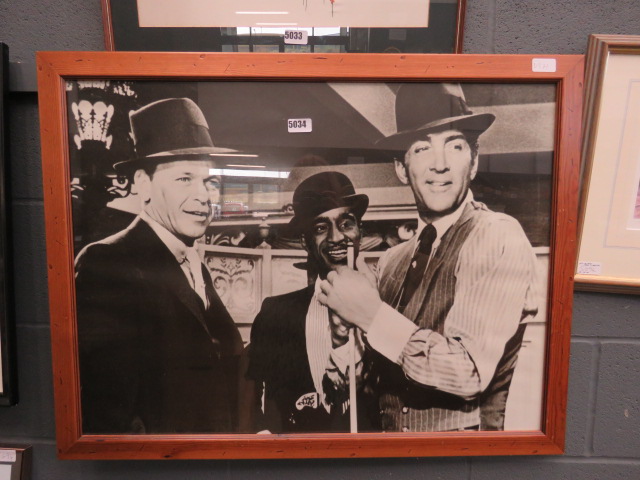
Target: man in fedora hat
297, 353
158, 350
447, 318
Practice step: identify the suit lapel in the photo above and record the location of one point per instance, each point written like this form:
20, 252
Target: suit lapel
211, 295
299, 320
170, 278
299, 317
392, 278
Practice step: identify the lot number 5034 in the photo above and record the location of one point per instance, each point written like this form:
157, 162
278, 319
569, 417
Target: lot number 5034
299, 125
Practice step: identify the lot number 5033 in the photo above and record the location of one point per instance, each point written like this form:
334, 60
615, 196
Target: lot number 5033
296, 37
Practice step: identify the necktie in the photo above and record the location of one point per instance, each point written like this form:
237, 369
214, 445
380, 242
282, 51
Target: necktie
194, 267
418, 265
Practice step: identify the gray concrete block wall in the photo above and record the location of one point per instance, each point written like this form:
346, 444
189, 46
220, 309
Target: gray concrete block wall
604, 386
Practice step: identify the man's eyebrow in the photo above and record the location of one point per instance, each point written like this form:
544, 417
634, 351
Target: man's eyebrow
455, 136
448, 138
347, 214
320, 219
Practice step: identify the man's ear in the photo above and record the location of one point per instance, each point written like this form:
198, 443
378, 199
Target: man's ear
143, 185
401, 171
303, 241
474, 167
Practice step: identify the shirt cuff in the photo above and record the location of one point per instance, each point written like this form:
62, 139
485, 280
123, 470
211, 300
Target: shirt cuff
389, 332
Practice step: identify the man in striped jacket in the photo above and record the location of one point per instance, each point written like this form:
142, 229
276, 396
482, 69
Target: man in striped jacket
446, 321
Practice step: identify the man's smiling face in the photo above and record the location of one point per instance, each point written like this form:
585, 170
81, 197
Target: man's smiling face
179, 196
328, 236
439, 169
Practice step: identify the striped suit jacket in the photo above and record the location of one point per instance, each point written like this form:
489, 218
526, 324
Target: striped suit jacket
479, 287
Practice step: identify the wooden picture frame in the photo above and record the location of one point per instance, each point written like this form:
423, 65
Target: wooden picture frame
122, 32
57, 72
15, 462
609, 230
8, 367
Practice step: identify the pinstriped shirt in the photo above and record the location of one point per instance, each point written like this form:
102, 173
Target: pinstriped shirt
492, 289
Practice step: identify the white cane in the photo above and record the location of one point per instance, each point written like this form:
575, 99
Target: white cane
353, 404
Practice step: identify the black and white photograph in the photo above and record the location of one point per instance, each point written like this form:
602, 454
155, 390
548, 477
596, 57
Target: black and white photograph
311, 257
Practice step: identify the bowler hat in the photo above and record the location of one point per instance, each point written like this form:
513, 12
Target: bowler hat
323, 192
168, 130
424, 107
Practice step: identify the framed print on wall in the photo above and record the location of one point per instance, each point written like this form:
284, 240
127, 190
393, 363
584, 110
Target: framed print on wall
609, 249
15, 462
8, 376
158, 163
314, 26
610, 194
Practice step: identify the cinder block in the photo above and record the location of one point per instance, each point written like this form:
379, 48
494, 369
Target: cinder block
47, 466
33, 416
29, 281
605, 315
477, 24
552, 468
353, 469
618, 401
24, 164
578, 414
30, 26
552, 27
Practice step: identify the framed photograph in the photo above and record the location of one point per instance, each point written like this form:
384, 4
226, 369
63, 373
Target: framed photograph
312, 26
15, 462
8, 376
610, 189
203, 213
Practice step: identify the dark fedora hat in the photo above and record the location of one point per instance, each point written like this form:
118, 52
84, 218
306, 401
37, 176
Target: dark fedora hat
168, 130
323, 192
424, 107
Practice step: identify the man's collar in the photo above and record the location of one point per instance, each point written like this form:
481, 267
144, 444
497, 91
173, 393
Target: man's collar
173, 243
316, 289
443, 224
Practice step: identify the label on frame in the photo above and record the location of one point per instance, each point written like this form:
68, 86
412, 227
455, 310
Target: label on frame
7, 455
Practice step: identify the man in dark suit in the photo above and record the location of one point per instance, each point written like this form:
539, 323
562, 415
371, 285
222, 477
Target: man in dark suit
157, 348
448, 321
296, 353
